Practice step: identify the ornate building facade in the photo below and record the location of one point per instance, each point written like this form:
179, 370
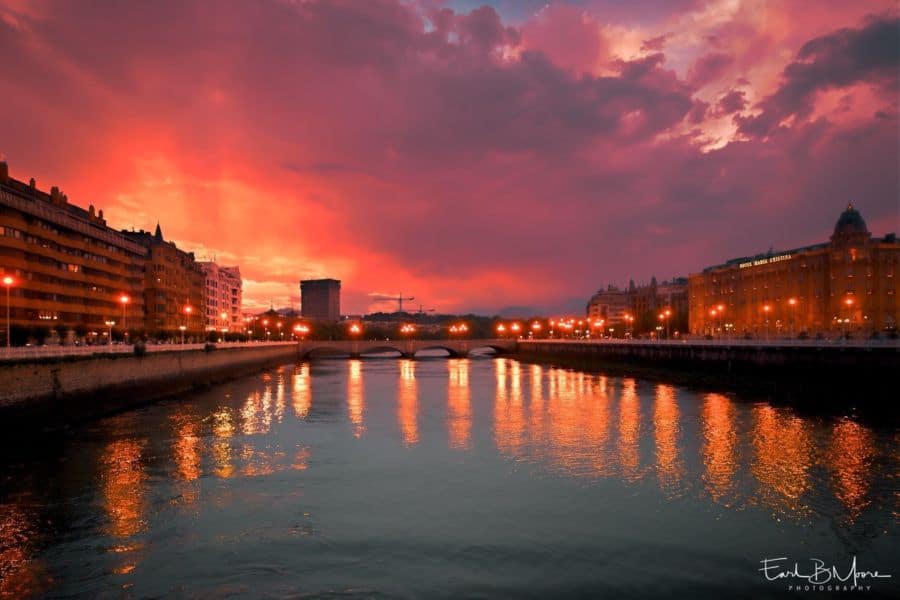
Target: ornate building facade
847, 285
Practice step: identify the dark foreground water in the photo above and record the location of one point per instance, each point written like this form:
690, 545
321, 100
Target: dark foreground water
449, 478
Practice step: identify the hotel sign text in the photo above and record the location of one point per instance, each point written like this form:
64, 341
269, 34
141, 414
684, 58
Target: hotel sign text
764, 261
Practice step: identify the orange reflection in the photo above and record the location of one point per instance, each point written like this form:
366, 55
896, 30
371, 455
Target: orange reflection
256, 413
223, 430
124, 488
279, 396
666, 428
509, 417
408, 403
849, 458
256, 462
783, 456
577, 432
720, 446
629, 431
458, 403
536, 403
21, 576
302, 392
301, 459
356, 403
186, 453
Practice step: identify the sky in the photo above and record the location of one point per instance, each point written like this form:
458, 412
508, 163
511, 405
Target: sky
473, 155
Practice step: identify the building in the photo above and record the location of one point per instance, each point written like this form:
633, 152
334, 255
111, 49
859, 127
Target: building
846, 285
174, 287
70, 272
223, 297
611, 306
320, 299
649, 301
637, 309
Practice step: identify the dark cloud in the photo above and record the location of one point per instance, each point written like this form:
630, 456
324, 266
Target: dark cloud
840, 59
732, 102
708, 67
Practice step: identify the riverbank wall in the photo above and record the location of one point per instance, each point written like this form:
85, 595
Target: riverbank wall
52, 393
834, 374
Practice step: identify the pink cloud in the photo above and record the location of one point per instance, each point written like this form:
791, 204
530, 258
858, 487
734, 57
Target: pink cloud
452, 156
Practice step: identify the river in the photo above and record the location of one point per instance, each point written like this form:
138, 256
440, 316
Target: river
480, 477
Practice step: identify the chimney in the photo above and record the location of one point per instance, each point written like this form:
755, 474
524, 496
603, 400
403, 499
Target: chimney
4, 172
55, 196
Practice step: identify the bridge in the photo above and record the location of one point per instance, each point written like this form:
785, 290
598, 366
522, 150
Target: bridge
406, 348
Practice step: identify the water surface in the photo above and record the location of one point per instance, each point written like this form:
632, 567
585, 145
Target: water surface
446, 478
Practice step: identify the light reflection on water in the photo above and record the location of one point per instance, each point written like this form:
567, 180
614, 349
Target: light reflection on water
429, 461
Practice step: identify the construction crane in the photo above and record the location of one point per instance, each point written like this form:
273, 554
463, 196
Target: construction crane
400, 300
422, 311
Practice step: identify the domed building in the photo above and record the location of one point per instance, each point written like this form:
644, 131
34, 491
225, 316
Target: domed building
846, 286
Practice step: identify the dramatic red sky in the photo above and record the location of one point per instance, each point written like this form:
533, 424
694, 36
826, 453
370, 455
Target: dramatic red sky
476, 157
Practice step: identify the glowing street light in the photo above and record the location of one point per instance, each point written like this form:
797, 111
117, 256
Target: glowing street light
183, 328
767, 309
301, 330
515, 328
124, 299
8, 282
459, 329
501, 329
355, 329
664, 316
110, 324
793, 304
407, 329
848, 301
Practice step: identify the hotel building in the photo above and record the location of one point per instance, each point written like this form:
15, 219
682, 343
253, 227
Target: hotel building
845, 285
223, 297
70, 271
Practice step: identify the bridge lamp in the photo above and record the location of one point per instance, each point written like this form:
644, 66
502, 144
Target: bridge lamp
501, 329
355, 329
515, 328
182, 328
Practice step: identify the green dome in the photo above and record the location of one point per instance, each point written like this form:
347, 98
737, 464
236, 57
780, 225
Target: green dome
850, 222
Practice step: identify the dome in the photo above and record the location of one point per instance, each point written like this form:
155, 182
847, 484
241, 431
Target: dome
850, 222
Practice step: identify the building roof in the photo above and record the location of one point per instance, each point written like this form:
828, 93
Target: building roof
850, 221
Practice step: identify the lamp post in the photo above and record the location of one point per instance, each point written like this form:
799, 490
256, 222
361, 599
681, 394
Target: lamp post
301, 330
712, 313
124, 299
266, 328
515, 328
848, 301
8, 282
188, 309
535, 329
355, 331
280, 332
766, 310
792, 302
407, 331
110, 324
664, 317
501, 330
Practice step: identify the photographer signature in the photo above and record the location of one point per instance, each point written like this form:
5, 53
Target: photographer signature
818, 573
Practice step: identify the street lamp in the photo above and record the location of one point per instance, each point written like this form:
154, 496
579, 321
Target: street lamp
767, 309
188, 309
280, 332
849, 302
8, 282
712, 314
501, 330
793, 304
301, 330
515, 328
124, 299
110, 325
664, 316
